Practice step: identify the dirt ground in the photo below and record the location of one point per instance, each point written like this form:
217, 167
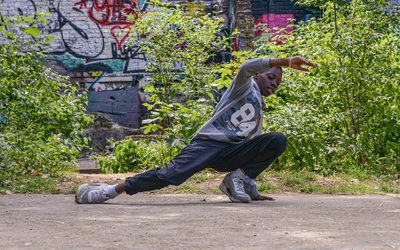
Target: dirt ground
173, 221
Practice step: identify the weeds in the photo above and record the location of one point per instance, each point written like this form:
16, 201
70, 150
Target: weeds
207, 181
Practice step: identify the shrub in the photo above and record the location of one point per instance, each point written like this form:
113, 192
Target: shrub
42, 115
343, 116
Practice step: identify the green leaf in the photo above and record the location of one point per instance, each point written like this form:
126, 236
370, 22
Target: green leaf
33, 31
28, 19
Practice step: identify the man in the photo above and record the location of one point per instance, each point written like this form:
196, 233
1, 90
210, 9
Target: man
231, 141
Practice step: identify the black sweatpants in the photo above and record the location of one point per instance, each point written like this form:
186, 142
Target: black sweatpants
253, 156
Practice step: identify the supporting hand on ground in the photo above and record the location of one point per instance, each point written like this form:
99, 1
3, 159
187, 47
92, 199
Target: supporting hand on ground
262, 198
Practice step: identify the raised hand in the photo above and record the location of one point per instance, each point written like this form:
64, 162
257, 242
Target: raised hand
297, 62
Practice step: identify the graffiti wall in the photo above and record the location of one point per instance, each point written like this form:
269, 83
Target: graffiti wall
90, 47
91, 36
90, 44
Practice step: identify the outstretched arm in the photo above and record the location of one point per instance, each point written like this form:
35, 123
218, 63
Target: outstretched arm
295, 62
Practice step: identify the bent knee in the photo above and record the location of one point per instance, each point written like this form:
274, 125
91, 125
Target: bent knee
280, 140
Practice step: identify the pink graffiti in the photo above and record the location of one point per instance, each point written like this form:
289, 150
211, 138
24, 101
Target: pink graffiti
273, 21
111, 13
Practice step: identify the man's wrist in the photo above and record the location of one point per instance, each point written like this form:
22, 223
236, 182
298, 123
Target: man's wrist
279, 62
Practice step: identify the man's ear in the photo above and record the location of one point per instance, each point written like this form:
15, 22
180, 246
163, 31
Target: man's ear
255, 75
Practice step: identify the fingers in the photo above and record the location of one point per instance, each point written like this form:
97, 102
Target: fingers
302, 60
300, 67
298, 62
309, 63
262, 198
303, 69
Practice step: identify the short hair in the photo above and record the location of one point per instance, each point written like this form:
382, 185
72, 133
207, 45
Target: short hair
279, 67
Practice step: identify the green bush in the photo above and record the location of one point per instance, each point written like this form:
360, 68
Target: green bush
42, 115
181, 96
343, 116
178, 47
129, 155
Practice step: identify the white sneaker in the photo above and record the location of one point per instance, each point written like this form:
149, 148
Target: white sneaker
91, 193
234, 189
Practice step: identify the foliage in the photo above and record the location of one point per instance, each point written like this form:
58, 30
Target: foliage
179, 48
341, 117
42, 115
34, 183
129, 155
344, 116
227, 71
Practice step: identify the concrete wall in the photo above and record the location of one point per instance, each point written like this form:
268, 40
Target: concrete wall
121, 105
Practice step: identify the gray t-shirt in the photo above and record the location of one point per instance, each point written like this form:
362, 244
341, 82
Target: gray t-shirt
238, 115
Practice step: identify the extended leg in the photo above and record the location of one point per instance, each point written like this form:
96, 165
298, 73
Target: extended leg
189, 161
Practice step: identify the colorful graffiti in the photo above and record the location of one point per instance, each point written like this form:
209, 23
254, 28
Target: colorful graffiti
112, 13
90, 42
272, 25
108, 13
89, 37
74, 35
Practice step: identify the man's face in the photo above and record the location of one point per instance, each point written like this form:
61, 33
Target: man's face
269, 80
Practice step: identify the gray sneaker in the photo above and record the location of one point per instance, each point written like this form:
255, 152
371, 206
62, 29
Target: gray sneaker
91, 193
234, 189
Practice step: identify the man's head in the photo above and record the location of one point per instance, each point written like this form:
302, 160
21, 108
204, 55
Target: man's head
269, 80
